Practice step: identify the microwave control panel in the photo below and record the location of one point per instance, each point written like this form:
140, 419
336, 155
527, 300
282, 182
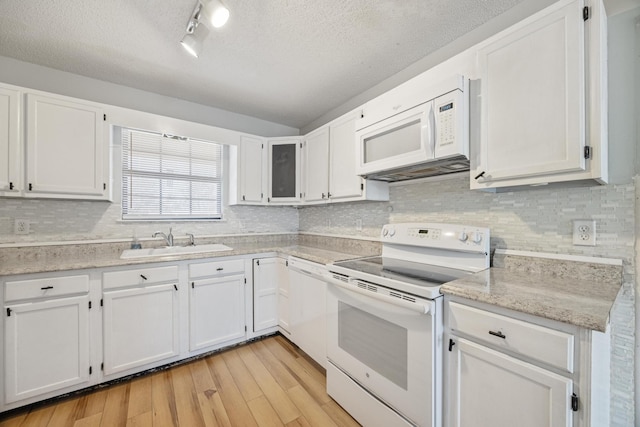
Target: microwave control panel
450, 110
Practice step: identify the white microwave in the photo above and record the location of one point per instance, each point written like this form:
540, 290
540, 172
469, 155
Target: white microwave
431, 138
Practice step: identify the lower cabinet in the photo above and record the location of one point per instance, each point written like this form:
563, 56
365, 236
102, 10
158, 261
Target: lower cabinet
46, 346
216, 303
265, 293
141, 323
504, 368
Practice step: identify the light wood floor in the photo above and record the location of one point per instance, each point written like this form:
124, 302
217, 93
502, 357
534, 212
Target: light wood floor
265, 383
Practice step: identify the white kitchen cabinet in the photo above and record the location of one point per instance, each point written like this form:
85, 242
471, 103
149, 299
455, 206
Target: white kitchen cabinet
11, 169
284, 170
506, 368
216, 303
66, 151
307, 299
538, 91
330, 166
141, 324
265, 292
316, 166
284, 306
252, 170
46, 336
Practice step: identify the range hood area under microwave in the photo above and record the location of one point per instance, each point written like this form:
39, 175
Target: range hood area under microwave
426, 137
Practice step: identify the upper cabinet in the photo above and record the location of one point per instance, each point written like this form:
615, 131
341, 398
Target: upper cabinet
10, 147
66, 154
252, 170
284, 170
541, 100
330, 165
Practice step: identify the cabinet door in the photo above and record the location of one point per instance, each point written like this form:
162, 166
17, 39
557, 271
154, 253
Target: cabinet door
283, 295
66, 151
533, 99
489, 388
47, 346
252, 169
343, 180
316, 166
141, 326
216, 311
10, 158
284, 170
265, 293
308, 314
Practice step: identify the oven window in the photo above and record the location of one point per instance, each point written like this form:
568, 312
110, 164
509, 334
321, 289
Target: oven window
376, 342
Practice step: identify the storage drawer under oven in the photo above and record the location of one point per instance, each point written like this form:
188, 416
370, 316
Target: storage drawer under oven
537, 342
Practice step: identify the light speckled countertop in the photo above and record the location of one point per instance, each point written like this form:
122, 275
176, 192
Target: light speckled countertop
26, 260
578, 293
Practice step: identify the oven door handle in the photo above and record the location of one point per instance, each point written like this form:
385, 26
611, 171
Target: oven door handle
413, 306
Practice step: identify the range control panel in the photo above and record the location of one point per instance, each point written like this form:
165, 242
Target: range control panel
438, 236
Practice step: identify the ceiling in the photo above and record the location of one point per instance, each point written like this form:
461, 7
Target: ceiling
285, 61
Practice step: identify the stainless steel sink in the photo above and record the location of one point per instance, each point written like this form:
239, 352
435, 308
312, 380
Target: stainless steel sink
173, 250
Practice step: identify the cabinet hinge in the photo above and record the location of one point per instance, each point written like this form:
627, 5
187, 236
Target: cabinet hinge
89, 305
104, 117
8, 312
451, 344
90, 370
585, 13
587, 152
574, 402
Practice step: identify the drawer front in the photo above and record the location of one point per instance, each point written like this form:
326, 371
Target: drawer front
45, 287
546, 345
139, 276
216, 268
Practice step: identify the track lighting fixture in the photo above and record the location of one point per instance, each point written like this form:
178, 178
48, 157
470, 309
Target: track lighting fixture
206, 13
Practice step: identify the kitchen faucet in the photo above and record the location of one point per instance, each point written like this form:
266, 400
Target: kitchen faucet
167, 238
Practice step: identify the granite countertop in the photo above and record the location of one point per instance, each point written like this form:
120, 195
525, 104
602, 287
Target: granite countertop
76, 257
578, 293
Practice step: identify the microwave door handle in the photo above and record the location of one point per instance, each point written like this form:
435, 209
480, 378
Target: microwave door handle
429, 132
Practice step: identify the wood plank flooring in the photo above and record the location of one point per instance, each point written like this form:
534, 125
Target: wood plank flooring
265, 383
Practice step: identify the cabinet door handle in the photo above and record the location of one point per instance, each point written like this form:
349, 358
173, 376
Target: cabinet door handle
220, 268
175, 287
11, 186
44, 288
498, 334
480, 175
143, 276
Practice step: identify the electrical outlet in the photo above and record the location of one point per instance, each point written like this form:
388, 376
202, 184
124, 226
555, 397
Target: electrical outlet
584, 232
21, 226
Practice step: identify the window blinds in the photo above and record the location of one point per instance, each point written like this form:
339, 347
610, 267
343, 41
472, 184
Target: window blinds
168, 177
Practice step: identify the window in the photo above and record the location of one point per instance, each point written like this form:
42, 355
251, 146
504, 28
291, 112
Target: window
169, 177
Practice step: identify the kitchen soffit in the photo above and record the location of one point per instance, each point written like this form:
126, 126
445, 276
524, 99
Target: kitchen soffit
285, 61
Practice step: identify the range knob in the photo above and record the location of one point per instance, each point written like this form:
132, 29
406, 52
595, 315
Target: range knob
463, 236
476, 237
385, 231
392, 232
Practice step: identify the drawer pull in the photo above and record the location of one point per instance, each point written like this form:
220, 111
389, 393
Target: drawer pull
44, 288
498, 334
219, 269
143, 276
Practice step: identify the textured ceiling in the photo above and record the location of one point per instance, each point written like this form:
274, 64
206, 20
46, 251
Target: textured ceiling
286, 61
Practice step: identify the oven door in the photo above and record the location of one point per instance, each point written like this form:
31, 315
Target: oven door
392, 349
